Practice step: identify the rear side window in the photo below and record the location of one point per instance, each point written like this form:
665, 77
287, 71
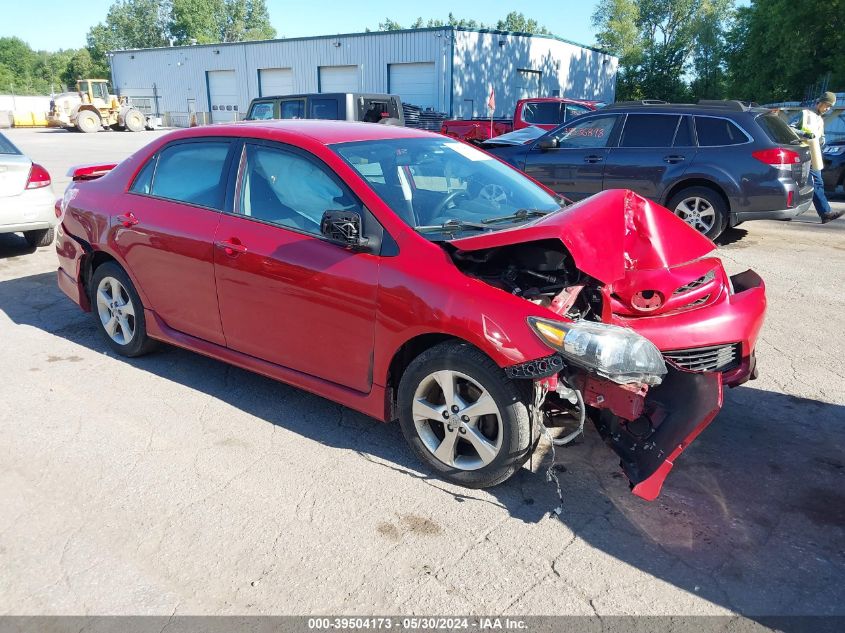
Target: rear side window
6, 146
776, 129
144, 180
292, 109
649, 130
192, 173
713, 132
573, 110
542, 113
322, 109
261, 111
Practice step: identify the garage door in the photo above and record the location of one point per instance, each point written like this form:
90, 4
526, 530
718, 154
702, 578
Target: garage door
275, 81
338, 79
223, 93
529, 83
414, 83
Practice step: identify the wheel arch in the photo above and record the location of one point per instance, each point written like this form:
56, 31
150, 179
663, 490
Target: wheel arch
697, 182
404, 356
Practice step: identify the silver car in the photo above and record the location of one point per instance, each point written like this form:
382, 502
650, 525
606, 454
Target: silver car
27, 201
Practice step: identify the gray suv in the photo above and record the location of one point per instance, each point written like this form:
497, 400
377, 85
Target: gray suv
714, 164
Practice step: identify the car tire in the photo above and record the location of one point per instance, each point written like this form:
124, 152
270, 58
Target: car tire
87, 121
134, 121
42, 237
702, 208
474, 451
118, 311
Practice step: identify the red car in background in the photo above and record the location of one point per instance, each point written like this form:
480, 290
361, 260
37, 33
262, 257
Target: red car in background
413, 277
543, 112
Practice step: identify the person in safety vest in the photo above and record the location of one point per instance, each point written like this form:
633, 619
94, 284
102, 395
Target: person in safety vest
810, 126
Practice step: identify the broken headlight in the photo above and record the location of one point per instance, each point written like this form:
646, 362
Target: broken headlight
614, 352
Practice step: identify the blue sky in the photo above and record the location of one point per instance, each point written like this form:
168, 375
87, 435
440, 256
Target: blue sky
55, 25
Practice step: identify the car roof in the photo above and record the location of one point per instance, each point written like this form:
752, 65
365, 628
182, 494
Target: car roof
325, 95
322, 131
684, 108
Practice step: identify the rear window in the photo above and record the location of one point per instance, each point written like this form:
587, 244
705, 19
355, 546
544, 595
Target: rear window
777, 129
542, 113
649, 130
6, 146
714, 132
374, 110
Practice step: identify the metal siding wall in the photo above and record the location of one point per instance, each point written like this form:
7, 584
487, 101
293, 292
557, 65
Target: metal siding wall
179, 73
480, 62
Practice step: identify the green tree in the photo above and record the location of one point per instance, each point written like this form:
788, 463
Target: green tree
518, 23
663, 43
197, 21
247, 20
782, 50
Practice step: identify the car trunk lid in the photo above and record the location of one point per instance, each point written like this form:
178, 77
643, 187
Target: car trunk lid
14, 174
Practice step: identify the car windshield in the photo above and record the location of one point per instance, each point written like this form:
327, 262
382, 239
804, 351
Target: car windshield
433, 182
517, 137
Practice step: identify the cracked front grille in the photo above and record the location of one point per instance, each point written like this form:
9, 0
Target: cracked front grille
696, 283
715, 358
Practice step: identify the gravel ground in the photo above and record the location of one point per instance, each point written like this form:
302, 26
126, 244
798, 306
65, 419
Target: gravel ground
177, 484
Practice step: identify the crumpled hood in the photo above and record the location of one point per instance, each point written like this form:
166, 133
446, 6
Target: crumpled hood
608, 234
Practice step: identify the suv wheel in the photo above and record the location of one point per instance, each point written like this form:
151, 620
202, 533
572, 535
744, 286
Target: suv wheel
702, 208
463, 417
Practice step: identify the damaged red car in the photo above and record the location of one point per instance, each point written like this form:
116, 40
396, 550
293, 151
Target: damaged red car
413, 277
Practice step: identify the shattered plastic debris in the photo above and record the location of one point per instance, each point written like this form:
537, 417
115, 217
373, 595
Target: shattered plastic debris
540, 391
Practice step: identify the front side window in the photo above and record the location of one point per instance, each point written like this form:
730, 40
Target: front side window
289, 190
428, 182
193, 173
716, 132
542, 113
322, 109
261, 111
593, 132
292, 109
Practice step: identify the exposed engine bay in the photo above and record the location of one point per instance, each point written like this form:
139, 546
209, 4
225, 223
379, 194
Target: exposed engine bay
542, 272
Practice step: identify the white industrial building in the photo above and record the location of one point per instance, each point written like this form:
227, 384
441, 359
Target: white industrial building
447, 69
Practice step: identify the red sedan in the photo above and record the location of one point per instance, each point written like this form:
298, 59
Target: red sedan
413, 277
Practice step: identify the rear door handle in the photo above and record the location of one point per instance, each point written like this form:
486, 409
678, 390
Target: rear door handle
674, 158
232, 247
127, 219
593, 159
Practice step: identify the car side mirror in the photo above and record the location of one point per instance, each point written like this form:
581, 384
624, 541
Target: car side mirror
343, 228
547, 143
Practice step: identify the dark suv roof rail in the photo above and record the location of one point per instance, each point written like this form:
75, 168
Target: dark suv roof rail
643, 102
728, 104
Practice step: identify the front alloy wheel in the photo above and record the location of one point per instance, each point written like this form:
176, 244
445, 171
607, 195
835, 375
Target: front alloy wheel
463, 417
457, 420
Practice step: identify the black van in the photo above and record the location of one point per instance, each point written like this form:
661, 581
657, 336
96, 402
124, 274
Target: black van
337, 106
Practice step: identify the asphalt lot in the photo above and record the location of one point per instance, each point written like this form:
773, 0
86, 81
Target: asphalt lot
177, 484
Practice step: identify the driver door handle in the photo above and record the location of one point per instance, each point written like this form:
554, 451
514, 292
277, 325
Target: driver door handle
231, 247
593, 158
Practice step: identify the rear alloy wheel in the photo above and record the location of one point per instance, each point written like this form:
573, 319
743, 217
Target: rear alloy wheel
702, 208
134, 121
463, 417
119, 311
43, 237
87, 121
